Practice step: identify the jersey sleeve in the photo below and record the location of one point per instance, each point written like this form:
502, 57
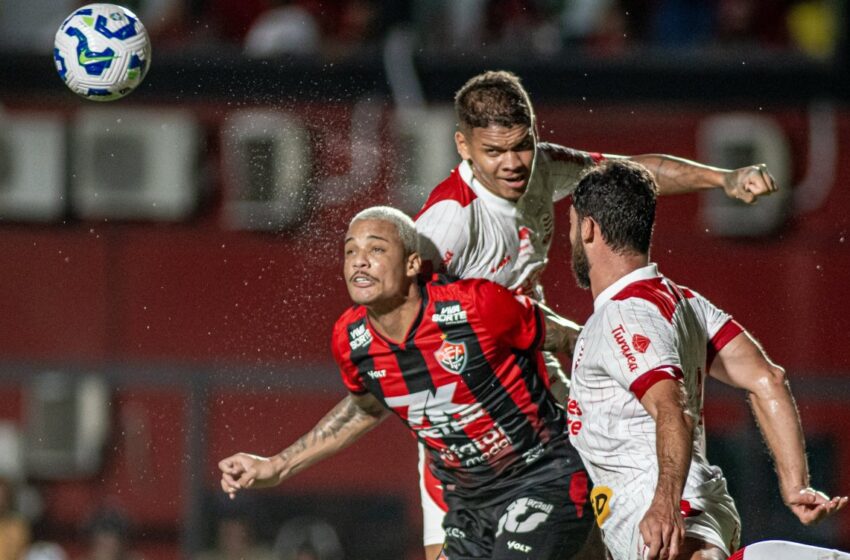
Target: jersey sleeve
444, 236
342, 356
641, 346
719, 325
514, 320
563, 167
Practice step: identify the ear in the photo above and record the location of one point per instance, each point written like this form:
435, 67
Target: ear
589, 229
414, 265
463, 148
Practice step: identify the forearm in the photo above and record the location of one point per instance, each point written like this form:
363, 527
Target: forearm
341, 427
674, 447
676, 175
561, 333
776, 414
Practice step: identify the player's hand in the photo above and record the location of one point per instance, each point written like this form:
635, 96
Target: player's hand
663, 530
812, 506
244, 470
749, 183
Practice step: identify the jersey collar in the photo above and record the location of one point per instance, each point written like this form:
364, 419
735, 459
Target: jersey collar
644, 273
498, 203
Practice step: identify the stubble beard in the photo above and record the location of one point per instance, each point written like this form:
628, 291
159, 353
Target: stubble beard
581, 266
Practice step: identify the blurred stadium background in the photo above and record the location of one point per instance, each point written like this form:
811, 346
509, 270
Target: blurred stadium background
170, 261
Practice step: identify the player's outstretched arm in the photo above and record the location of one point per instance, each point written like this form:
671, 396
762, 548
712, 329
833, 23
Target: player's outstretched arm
351, 418
680, 176
742, 363
561, 333
663, 527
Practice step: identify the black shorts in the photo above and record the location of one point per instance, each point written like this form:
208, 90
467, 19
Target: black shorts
550, 521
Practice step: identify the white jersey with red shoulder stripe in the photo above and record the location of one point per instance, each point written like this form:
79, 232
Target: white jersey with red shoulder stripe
644, 329
468, 232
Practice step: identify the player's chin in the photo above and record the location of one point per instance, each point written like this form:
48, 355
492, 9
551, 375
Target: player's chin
513, 190
513, 194
361, 296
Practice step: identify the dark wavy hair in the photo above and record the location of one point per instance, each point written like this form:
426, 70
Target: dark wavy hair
620, 196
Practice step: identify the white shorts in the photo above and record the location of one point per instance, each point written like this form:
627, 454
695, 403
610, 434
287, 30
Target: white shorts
433, 507
711, 517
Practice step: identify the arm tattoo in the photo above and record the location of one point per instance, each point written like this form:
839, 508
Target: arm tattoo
336, 421
341, 426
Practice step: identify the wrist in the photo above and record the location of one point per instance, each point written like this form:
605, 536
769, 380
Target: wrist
280, 466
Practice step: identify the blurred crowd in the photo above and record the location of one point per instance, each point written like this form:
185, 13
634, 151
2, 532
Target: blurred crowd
334, 29
108, 534
105, 535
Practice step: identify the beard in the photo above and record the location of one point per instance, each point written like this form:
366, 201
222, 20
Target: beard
581, 266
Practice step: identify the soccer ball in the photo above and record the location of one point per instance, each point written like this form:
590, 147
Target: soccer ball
102, 51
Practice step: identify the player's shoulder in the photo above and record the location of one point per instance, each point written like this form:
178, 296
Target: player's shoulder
349, 332
656, 294
453, 191
444, 286
351, 316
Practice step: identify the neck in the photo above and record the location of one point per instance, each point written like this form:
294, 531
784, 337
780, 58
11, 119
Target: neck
393, 320
609, 267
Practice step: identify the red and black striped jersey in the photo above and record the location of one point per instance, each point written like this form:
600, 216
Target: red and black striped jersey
469, 381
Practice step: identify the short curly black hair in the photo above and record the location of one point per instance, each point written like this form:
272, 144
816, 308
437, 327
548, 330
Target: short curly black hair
620, 196
494, 97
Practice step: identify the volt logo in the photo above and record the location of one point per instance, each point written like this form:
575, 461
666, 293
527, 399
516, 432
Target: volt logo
437, 407
514, 545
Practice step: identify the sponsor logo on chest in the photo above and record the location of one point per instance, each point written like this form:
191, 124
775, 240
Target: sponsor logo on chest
359, 336
452, 314
625, 350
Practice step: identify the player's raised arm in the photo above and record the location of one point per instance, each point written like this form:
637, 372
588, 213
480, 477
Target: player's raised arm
742, 363
561, 333
352, 417
676, 175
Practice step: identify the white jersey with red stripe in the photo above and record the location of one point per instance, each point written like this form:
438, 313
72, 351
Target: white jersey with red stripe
468, 232
646, 329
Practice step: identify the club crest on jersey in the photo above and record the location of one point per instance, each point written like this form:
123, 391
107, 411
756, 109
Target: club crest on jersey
452, 356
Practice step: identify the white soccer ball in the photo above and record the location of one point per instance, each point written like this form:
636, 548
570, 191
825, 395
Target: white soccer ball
102, 51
